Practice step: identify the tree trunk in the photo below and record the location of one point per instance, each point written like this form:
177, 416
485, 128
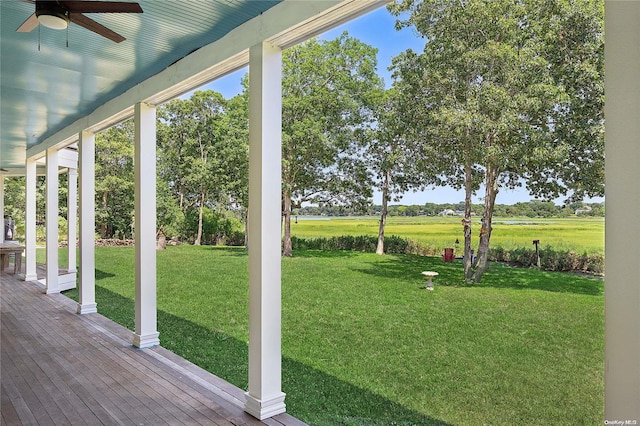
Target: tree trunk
383, 214
198, 240
287, 249
246, 229
482, 262
103, 226
466, 223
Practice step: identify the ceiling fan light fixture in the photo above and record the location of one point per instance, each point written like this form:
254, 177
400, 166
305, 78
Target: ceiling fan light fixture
52, 16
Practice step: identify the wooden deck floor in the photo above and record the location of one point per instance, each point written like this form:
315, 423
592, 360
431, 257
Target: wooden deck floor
60, 368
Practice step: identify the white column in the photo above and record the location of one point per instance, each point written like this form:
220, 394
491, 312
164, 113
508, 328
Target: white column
87, 275
146, 333
51, 219
72, 218
2, 208
622, 141
30, 221
265, 398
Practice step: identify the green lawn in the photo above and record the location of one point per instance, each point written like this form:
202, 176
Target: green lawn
365, 344
577, 234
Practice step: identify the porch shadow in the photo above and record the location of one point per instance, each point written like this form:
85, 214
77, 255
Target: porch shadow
331, 400
408, 267
325, 254
101, 275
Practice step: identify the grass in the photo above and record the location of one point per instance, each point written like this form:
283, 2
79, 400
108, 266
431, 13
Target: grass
365, 344
577, 234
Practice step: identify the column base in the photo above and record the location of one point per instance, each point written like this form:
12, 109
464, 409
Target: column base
146, 341
30, 277
47, 289
87, 308
265, 408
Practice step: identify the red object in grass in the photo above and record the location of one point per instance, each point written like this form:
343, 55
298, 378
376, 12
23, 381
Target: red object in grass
448, 255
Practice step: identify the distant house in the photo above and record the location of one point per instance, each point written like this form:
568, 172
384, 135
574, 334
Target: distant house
447, 212
583, 210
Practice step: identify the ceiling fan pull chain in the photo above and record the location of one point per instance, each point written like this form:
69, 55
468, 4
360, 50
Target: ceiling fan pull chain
67, 36
38, 38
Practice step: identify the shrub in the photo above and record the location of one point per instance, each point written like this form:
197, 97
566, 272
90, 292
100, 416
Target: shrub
550, 259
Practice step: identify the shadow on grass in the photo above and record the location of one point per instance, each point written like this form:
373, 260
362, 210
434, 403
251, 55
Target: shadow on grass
101, 275
312, 395
325, 254
409, 268
229, 250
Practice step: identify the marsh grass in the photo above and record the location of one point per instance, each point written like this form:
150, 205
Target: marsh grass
365, 344
570, 234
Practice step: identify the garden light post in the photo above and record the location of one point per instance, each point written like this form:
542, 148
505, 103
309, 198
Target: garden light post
536, 243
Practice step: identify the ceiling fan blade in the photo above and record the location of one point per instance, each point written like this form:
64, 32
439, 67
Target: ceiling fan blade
29, 24
91, 25
100, 7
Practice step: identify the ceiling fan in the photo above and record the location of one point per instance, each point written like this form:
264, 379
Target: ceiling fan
57, 14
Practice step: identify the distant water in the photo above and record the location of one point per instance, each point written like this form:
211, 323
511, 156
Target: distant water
522, 222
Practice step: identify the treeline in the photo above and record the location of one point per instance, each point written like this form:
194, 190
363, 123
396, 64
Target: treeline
531, 209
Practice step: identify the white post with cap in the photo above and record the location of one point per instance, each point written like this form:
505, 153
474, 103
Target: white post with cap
146, 333
51, 219
265, 397
87, 273
30, 220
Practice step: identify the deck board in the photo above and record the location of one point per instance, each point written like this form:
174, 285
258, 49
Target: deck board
58, 367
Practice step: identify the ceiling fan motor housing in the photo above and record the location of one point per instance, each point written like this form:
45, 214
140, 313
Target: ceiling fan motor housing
52, 15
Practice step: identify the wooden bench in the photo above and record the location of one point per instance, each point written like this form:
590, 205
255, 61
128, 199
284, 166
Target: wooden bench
5, 251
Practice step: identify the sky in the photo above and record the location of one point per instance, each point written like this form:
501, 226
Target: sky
377, 29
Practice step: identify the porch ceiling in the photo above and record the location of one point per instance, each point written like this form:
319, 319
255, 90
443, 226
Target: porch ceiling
44, 91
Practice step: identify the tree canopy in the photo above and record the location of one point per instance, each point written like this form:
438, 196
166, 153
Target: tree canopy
328, 90
203, 157
489, 93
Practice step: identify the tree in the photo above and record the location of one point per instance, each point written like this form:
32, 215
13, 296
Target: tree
390, 156
201, 159
489, 88
14, 202
575, 51
169, 217
327, 88
237, 125
187, 139
115, 181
